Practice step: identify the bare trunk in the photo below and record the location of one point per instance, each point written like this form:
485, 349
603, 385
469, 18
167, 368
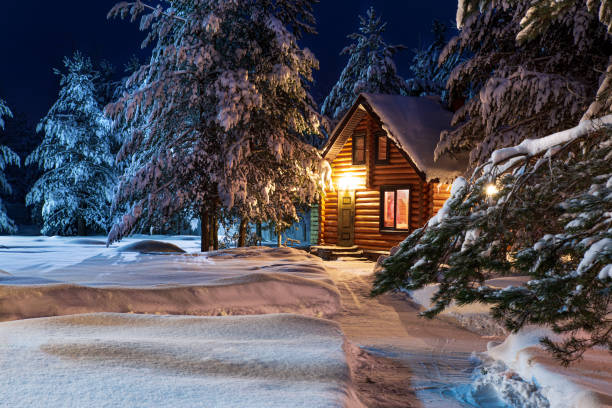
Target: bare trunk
205, 233
242, 232
280, 240
215, 232
81, 230
259, 234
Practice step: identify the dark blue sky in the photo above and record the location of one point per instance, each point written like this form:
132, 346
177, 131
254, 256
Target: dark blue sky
35, 35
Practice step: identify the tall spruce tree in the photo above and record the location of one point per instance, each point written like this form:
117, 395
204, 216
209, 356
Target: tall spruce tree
429, 77
518, 89
218, 114
370, 68
75, 190
7, 158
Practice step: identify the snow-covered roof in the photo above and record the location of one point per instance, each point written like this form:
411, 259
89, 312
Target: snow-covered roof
414, 124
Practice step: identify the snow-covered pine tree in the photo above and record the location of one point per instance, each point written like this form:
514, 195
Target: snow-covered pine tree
370, 68
550, 220
522, 89
75, 190
429, 77
220, 112
7, 158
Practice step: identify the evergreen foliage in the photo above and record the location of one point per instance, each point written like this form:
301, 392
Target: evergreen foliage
7, 158
550, 221
370, 68
219, 113
74, 192
429, 77
521, 89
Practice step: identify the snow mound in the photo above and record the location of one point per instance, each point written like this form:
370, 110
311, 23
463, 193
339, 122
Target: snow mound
521, 360
474, 317
145, 361
87, 241
245, 295
149, 246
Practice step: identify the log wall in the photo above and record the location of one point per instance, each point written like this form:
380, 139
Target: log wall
425, 198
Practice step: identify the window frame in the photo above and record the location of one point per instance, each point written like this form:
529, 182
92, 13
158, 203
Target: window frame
377, 136
393, 188
361, 135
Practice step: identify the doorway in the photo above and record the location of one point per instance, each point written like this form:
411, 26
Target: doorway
346, 218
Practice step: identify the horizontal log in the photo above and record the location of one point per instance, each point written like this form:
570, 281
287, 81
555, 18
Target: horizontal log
367, 211
367, 193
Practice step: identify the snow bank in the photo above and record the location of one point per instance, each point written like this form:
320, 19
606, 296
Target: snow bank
59, 278
145, 361
474, 317
582, 385
150, 246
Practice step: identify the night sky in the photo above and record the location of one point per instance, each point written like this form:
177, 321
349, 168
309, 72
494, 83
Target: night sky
35, 35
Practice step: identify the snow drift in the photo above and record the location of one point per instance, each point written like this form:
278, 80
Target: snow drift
175, 361
59, 278
523, 371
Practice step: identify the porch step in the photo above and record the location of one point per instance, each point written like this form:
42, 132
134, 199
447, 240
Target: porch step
333, 252
350, 258
351, 254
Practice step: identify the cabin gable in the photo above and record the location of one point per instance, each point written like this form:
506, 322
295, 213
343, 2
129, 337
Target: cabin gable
379, 193
369, 181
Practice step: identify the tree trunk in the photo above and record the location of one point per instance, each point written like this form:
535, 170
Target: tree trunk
280, 240
81, 231
242, 232
259, 234
205, 233
215, 232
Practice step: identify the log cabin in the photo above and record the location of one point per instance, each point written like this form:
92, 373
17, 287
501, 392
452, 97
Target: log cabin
386, 182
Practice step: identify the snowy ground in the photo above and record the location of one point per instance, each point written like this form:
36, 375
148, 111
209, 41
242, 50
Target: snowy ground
120, 360
48, 276
272, 360
519, 370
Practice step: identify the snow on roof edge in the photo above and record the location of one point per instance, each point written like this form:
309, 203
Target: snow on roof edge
415, 124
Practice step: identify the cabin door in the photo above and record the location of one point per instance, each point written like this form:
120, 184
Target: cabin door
346, 218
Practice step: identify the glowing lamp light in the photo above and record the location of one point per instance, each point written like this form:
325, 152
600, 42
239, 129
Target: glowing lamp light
491, 190
348, 183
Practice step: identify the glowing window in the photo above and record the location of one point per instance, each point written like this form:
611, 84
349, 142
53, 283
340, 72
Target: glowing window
395, 209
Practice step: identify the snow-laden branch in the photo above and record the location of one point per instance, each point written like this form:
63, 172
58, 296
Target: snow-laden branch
534, 147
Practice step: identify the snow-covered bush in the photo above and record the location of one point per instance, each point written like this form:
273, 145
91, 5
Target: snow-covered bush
370, 68
7, 158
525, 88
76, 188
219, 113
549, 217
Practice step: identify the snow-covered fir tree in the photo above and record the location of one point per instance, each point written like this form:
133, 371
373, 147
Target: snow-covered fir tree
218, 114
429, 77
541, 209
75, 190
370, 68
7, 158
538, 18
518, 89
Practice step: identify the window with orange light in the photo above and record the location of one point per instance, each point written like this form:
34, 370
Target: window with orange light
395, 208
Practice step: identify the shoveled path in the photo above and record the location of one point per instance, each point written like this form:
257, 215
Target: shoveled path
408, 361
